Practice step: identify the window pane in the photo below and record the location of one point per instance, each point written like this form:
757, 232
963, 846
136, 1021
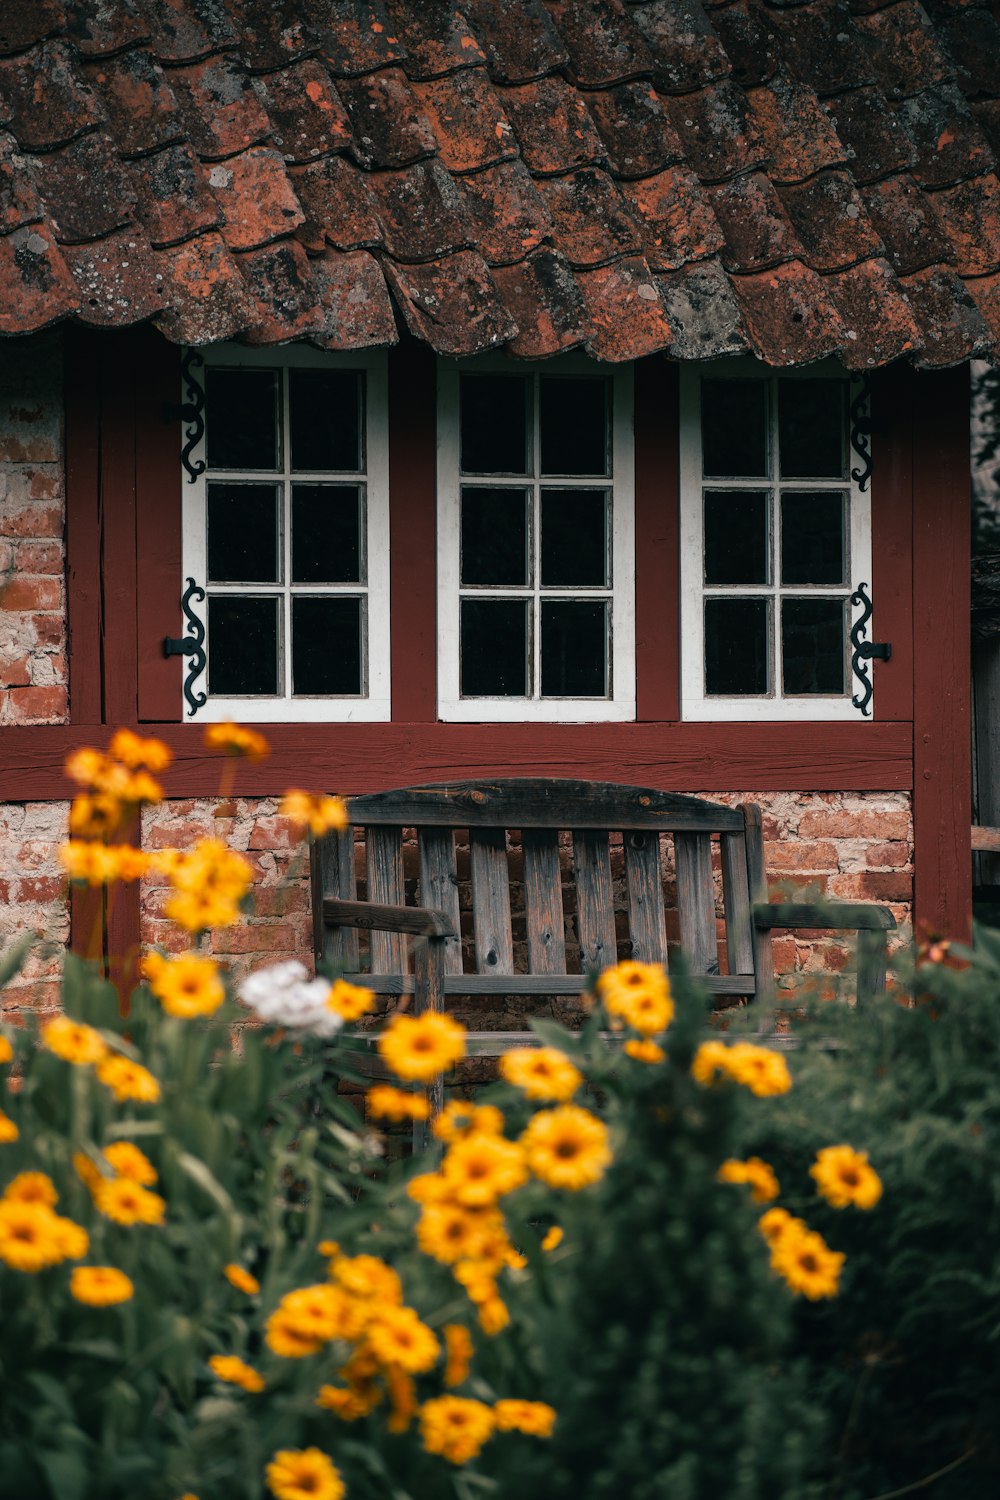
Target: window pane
813, 645
574, 538
494, 536
736, 646
737, 536
573, 425
574, 648
243, 533
242, 646
326, 647
734, 428
494, 429
812, 537
324, 420
494, 648
326, 533
811, 428
241, 419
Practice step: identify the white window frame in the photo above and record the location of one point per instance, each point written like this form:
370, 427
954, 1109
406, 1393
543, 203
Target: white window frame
375, 704
696, 704
620, 484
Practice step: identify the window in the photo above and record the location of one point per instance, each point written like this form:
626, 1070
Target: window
286, 529
775, 538
535, 542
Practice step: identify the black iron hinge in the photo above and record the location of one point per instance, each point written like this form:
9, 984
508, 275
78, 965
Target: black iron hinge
191, 645
863, 651
191, 412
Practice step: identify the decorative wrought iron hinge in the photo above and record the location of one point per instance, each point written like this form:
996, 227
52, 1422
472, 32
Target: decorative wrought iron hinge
191, 411
865, 651
861, 432
191, 645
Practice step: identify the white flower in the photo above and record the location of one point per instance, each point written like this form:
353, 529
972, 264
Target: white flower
284, 995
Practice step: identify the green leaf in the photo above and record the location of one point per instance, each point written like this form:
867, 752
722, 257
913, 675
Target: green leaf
66, 1469
199, 1173
554, 1035
12, 960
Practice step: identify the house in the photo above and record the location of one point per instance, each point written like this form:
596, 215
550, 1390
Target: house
568, 388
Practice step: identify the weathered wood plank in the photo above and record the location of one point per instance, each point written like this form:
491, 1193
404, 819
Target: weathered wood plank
372, 916
763, 964
533, 984
543, 901
428, 974
384, 866
538, 802
872, 960
595, 905
834, 916
985, 840
491, 901
736, 890
696, 901
331, 871
644, 879
439, 887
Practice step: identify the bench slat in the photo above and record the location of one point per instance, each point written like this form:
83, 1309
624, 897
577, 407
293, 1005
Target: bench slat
696, 901
531, 984
736, 889
332, 874
384, 861
646, 921
543, 901
763, 962
595, 905
439, 886
542, 802
491, 901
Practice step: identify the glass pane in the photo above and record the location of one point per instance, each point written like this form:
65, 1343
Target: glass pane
811, 428
737, 536
243, 533
324, 420
241, 416
242, 646
494, 647
494, 424
494, 536
575, 538
326, 533
813, 645
573, 425
574, 648
326, 647
734, 428
736, 646
812, 537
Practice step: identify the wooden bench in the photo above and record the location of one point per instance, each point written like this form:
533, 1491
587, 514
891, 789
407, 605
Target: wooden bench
482, 814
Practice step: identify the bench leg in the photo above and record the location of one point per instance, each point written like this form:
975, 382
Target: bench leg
872, 959
428, 973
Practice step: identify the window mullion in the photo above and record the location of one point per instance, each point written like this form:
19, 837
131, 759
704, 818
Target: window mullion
536, 541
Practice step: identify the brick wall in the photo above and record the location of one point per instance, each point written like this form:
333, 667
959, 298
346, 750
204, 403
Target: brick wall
32, 899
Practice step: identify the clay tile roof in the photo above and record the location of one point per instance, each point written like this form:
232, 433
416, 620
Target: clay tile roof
692, 177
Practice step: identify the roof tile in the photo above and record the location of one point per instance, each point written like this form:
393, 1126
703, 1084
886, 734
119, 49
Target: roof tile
140, 104
972, 37
875, 139
285, 299
118, 279
879, 325
592, 221
174, 198
185, 30
520, 40
788, 315
222, 108
436, 36
626, 314
951, 326
307, 116
23, 25
542, 296
19, 200
553, 126
970, 216
98, 28
84, 188
453, 301
636, 130
718, 130
687, 52
702, 311
36, 288
903, 49
339, 204
422, 212
949, 143
389, 124
256, 197
357, 36
468, 120
47, 101
507, 213
830, 221
676, 220
753, 220
270, 34
822, 46
798, 136
986, 113
905, 219
206, 297
604, 45
354, 300
750, 45
985, 291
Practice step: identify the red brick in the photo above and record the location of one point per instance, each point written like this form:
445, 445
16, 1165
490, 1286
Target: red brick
871, 824
39, 557
875, 885
31, 704
44, 484
34, 521
796, 854
252, 937
31, 593
280, 900
799, 889
15, 673
41, 888
895, 855
50, 630
275, 833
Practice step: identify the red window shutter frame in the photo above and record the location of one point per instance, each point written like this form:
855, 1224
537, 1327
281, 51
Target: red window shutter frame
158, 480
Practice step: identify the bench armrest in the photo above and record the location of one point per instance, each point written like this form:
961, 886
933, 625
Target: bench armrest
419, 921
835, 915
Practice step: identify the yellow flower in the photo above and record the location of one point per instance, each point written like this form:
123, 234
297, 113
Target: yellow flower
711, 1061
87, 1170
763, 1072
328, 1247
73, 1041
234, 739
128, 1161
350, 1404
482, 1168
398, 1337
31, 1187
418, 1048
94, 817
209, 882
100, 1286
241, 1279
493, 1316
8, 1130
72, 1239
311, 1316
455, 1427
304, 1474
318, 813
186, 986
286, 1337
450, 1232
367, 1277
644, 1051
554, 1236
403, 1396
639, 995
460, 1116
777, 1223
541, 1073
567, 1147
126, 1202
458, 1353
128, 1080
86, 766
6, 1050
533, 1418
843, 1176
136, 751
351, 1001
756, 1173
807, 1263
30, 1238
387, 1103
231, 1369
